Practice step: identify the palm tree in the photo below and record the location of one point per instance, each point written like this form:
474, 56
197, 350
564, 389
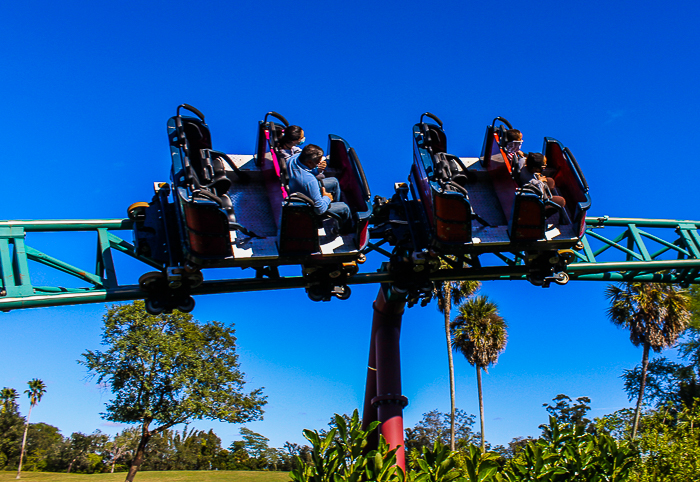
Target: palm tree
480, 334
449, 294
36, 389
7, 399
655, 313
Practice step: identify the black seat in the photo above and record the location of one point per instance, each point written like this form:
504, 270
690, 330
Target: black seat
206, 175
434, 139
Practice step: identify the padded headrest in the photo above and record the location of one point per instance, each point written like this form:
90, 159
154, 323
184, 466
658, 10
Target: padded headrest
437, 139
197, 135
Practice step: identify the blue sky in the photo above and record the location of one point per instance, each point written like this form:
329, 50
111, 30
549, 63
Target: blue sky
88, 87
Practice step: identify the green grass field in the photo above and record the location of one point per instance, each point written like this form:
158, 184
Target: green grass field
165, 476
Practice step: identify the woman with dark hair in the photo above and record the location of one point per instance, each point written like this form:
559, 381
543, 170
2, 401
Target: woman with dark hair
288, 146
289, 143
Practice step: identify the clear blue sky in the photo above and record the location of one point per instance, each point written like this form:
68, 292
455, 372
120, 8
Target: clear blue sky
88, 87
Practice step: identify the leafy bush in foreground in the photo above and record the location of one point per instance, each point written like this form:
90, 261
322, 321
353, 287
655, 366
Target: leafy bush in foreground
565, 452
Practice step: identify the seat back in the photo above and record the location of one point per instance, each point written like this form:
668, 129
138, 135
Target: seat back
569, 179
267, 160
527, 221
201, 170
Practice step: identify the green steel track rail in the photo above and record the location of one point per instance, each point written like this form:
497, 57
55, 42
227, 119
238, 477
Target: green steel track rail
613, 249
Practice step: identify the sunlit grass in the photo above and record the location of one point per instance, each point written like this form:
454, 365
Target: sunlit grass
164, 476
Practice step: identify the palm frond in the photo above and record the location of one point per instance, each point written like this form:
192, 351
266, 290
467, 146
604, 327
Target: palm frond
479, 332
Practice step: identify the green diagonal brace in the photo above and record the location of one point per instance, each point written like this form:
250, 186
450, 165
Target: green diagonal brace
105, 263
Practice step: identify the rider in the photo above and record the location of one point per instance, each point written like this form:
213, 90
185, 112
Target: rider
325, 193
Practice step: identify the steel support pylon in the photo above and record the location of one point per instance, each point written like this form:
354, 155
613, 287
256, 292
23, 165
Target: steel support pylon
383, 399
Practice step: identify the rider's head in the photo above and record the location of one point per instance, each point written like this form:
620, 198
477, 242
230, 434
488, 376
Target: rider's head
311, 155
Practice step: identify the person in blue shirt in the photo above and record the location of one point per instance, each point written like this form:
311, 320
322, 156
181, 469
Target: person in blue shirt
325, 193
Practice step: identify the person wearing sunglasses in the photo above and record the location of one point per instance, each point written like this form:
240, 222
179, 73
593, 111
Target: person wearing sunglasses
289, 143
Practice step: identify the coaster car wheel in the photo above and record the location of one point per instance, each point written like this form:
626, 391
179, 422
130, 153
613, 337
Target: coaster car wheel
151, 280
351, 268
186, 305
342, 292
561, 278
195, 279
137, 211
567, 255
315, 293
536, 279
155, 307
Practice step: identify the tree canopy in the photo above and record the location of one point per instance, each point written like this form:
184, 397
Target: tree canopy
169, 369
655, 315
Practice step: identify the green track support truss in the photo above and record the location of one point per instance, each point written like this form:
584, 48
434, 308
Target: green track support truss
613, 249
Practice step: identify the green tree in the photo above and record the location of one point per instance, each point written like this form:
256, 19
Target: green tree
480, 334
81, 451
36, 390
655, 314
124, 444
238, 458
565, 411
690, 346
669, 445
168, 370
196, 450
252, 452
8, 399
10, 428
449, 294
665, 382
42, 438
435, 427
160, 453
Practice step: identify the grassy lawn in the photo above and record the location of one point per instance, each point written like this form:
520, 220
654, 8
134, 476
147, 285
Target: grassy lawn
165, 476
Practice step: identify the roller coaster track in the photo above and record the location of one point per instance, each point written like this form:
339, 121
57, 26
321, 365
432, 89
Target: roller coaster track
612, 249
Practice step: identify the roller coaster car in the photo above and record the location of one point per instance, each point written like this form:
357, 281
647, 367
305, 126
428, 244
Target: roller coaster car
237, 211
474, 205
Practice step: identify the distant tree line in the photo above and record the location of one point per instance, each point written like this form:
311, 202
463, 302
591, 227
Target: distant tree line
189, 449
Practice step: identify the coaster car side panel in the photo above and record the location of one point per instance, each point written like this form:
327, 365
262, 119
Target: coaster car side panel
420, 182
569, 181
269, 163
198, 190
353, 184
446, 204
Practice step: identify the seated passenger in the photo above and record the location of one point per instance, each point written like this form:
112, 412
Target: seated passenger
325, 193
531, 179
289, 143
514, 141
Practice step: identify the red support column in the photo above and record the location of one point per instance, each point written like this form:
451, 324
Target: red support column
383, 399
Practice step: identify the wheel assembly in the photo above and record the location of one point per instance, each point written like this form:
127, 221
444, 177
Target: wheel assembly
151, 280
350, 268
187, 305
137, 211
195, 279
342, 292
315, 293
536, 280
154, 307
567, 255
